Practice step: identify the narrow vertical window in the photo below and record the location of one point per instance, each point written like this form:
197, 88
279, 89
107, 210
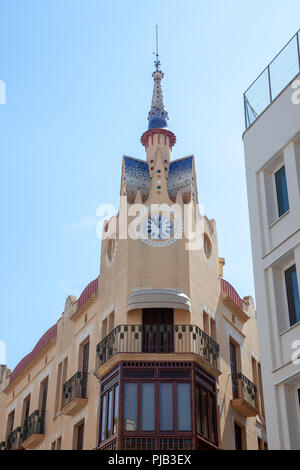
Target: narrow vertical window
103, 420
183, 407
109, 414
116, 408
80, 436
292, 291
212, 419
238, 437
148, 407
281, 191
130, 406
205, 413
166, 407
198, 411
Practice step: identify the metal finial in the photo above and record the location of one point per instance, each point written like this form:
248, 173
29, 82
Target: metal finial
157, 61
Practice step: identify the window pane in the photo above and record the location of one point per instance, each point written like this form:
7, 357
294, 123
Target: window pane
109, 416
116, 406
205, 412
148, 407
183, 407
103, 417
212, 418
238, 437
198, 410
130, 406
292, 295
166, 407
282, 192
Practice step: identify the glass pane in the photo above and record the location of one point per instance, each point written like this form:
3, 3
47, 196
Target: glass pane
198, 410
282, 192
166, 407
205, 412
293, 295
116, 406
148, 407
184, 407
103, 417
212, 418
109, 416
130, 406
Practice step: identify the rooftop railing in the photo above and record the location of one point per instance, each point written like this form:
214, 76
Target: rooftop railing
157, 339
271, 82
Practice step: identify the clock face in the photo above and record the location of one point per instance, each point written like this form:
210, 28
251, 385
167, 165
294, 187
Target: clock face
159, 227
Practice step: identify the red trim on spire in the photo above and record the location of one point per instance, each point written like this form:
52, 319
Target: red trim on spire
152, 132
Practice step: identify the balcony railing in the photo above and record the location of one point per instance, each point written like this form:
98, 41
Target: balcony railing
34, 424
244, 389
75, 387
157, 339
13, 439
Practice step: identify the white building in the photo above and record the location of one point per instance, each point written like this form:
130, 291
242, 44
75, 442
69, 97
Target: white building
272, 156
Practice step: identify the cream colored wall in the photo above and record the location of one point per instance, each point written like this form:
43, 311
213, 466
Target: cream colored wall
136, 265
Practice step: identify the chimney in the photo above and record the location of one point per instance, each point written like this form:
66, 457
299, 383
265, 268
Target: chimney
221, 265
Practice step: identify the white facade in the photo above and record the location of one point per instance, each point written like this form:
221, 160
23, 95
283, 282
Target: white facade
272, 141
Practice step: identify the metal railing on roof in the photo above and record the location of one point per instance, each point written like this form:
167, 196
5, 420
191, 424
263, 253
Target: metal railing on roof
271, 82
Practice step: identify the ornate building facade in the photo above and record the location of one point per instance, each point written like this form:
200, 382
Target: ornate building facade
159, 351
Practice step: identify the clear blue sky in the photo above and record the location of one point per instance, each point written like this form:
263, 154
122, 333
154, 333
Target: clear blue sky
79, 86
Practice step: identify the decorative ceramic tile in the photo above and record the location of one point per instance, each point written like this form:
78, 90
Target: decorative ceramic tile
180, 178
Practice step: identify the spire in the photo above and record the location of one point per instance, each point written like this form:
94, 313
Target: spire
158, 115
158, 132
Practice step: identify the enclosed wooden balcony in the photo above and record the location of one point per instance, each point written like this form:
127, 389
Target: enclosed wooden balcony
158, 342
13, 441
75, 393
33, 430
244, 396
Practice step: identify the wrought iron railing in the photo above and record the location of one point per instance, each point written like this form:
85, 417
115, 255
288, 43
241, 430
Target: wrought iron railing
243, 388
157, 339
75, 387
275, 77
13, 439
34, 424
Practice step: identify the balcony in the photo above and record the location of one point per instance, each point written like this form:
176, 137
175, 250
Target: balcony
233, 301
75, 393
142, 340
244, 396
87, 297
13, 441
33, 430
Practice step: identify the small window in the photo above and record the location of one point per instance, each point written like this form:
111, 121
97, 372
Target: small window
184, 407
166, 407
281, 191
79, 436
130, 406
292, 291
238, 437
148, 407
207, 246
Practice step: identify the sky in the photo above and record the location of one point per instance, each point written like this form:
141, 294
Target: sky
78, 90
